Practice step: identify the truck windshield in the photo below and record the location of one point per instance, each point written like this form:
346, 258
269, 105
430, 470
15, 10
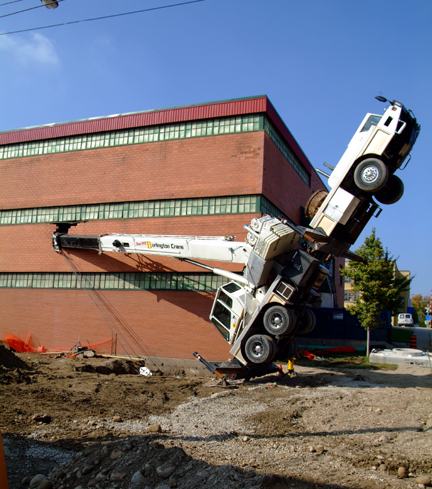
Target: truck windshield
372, 120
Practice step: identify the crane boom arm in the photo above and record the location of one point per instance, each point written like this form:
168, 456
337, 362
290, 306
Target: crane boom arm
215, 248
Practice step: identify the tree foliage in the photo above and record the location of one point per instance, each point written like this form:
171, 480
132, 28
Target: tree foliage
419, 303
377, 282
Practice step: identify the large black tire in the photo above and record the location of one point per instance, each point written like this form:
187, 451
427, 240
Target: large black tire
278, 320
392, 191
307, 322
260, 348
370, 175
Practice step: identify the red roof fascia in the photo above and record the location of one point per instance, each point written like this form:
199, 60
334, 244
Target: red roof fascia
141, 119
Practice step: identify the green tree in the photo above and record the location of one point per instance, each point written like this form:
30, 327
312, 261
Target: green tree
378, 285
419, 303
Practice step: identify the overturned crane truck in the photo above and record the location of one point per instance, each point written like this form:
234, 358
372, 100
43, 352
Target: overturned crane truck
285, 266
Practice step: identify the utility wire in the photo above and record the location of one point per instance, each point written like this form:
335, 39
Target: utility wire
10, 3
102, 17
25, 10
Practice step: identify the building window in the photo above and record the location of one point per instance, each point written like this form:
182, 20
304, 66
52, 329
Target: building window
151, 134
202, 282
238, 204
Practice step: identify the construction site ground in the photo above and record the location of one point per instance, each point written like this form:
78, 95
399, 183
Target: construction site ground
97, 423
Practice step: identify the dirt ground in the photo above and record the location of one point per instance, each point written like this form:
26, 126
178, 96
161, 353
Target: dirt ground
95, 423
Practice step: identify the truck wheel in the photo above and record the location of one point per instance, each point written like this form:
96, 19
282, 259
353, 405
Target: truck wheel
307, 322
392, 191
370, 174
260, 348
314, 203
279, 320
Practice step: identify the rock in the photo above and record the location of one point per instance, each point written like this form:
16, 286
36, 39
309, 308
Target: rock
319, 450
45, 484
382, 467
165, 470
137, 479
163, 486
115, 454
37, 480
86, 469
42, 418
117, 419
117, 476
154, 428
245, 438
148, 469
100, 476
402, 472
25, 481
425, 480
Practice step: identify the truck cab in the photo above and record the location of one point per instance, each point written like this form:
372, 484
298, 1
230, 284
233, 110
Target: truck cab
365, 171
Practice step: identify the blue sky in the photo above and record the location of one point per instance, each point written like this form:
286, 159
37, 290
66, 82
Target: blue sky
320, 62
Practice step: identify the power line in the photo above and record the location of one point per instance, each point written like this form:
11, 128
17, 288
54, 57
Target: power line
10, 3
103, 17
25, 10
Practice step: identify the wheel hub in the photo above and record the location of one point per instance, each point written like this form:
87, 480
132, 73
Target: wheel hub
370, 174
257, 348
276, 320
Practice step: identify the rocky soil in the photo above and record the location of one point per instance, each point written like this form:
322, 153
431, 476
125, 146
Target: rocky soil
97, 423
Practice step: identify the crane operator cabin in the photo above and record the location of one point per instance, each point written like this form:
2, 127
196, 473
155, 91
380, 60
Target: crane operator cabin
201, 170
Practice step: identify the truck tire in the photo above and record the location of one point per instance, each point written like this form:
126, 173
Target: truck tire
314, 203
260, 348
307, 322
392, 191
370, 175
278, 320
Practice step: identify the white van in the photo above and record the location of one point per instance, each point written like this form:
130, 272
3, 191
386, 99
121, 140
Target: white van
405, 319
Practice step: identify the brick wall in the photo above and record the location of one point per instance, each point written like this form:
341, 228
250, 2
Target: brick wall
282, 185
168, 324
202, 167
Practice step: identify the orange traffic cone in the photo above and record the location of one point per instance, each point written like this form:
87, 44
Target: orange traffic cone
3, 471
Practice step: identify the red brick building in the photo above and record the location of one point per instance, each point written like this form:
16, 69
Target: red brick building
205, 169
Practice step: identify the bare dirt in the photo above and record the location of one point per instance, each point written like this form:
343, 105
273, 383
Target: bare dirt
83, 424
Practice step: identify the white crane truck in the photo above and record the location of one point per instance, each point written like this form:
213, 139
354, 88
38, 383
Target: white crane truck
260, 311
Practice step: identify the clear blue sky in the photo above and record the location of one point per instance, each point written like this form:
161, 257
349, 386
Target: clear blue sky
320, 62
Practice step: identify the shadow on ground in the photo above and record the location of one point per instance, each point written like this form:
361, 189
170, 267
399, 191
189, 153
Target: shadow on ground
113, 463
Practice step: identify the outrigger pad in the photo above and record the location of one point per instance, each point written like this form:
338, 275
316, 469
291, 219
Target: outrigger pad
235, 370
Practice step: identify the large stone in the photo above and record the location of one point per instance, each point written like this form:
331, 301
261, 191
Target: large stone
117, 476
165, 470
115, 454
402, 472
154, 428
37, 480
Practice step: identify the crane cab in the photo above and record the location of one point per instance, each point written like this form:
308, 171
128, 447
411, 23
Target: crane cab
229, 308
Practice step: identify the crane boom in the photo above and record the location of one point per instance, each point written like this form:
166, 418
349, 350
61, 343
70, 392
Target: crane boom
218, 248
